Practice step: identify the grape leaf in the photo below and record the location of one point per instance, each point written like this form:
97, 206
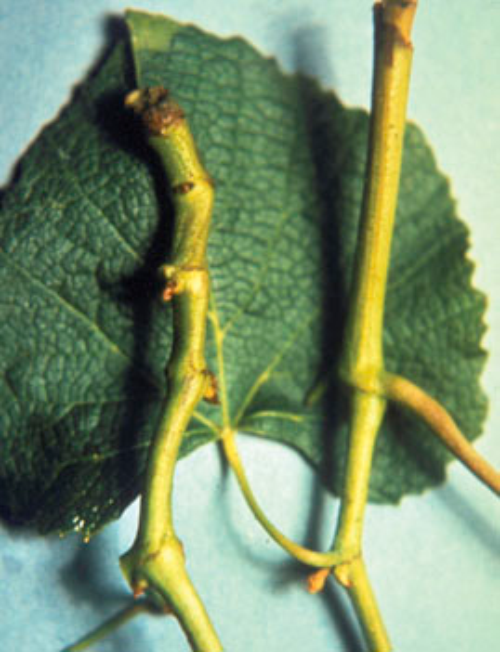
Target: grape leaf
85, 337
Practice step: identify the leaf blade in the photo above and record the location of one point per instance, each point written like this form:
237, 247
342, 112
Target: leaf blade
288, 161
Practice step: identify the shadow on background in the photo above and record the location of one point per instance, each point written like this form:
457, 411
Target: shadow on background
92, 579
462, 507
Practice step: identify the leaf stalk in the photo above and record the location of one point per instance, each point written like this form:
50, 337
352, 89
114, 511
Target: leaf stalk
442, 424
301, 553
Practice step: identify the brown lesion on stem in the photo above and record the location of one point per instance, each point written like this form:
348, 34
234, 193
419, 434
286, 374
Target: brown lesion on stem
183, 188
157, 110
397, 16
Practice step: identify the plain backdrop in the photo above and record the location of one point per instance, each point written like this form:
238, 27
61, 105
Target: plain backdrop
434, 560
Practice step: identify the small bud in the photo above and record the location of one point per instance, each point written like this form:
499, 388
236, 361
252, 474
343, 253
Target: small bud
170, 290
170, 275
157, 110
343, 575
316, 581
139, 589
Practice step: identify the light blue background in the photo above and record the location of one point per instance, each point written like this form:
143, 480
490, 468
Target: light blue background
435, 561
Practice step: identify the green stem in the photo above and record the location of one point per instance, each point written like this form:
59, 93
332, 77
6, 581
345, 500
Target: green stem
355, 580
367, 411
302, 554
114, 623
156, 560
362, 364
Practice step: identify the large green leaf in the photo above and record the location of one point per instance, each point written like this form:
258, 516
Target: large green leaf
85, 338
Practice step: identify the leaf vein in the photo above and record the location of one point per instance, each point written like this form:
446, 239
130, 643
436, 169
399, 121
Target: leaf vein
70, 308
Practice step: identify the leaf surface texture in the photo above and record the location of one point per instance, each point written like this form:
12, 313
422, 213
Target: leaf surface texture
85, 338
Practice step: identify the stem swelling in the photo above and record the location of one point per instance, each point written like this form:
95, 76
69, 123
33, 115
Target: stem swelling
156, 560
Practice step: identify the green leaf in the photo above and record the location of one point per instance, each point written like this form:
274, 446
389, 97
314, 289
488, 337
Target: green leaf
85, 338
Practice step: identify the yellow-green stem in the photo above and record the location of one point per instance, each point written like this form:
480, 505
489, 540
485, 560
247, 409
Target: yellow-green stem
156, 560
367, 411
302, 554
362, 364
111, 625
355, 580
